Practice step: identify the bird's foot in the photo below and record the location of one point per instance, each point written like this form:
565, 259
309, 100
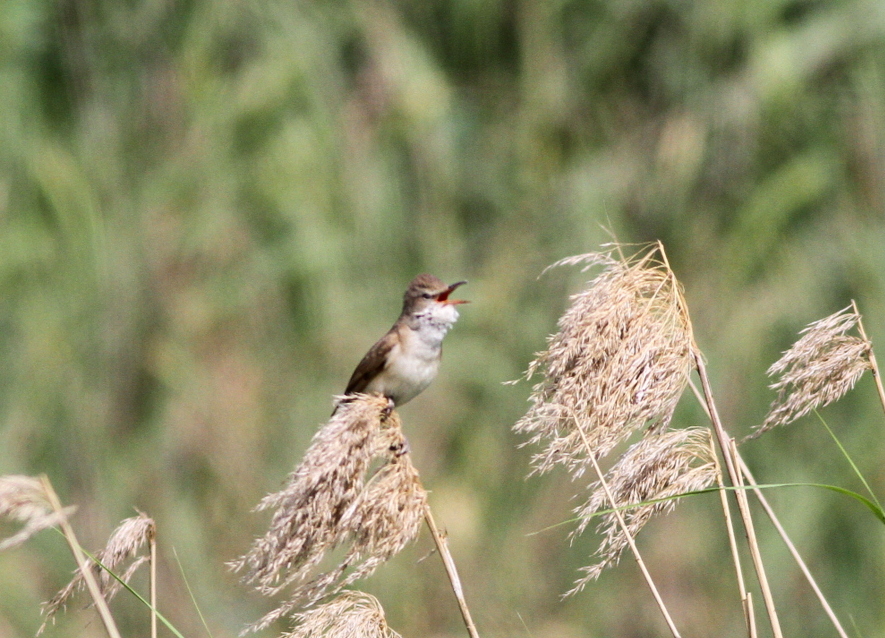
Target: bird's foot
401, 447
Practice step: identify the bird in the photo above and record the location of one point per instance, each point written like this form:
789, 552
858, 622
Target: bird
406, 359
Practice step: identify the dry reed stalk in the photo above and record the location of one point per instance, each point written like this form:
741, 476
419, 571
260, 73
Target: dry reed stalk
329, 501
153, 578
818, 369
661, 466
619, 362
755, 552
874, 366
451, 571
746, 596
124, 544
726, 447
750, 616
748, 608
83, 564
636, 555
353, 614
793, 551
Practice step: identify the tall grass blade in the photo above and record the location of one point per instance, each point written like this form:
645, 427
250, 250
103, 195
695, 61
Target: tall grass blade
190, 592
848, 458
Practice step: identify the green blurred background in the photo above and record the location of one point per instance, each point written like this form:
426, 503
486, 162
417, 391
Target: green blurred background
209, 210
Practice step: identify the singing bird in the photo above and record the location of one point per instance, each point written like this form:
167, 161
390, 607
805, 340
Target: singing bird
406, 359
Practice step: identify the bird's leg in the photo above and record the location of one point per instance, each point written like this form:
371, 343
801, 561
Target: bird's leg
385, 413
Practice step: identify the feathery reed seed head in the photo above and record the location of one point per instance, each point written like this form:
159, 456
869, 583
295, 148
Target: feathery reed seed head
309, 507
353, 614
661, 466
124, 544
23, 499
620, 361
818, 369
330, 501
381, 521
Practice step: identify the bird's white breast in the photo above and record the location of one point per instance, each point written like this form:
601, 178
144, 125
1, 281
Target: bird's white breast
414, 361
416, 365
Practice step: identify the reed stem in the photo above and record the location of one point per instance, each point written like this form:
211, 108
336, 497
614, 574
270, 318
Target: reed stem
94, 590
726, 447
789, 543
153, 543
874, 366
746, 596
452, 572
645, 573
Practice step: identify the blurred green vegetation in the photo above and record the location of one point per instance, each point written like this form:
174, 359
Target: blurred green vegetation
209, 210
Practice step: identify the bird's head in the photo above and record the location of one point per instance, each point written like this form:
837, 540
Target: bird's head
427, 292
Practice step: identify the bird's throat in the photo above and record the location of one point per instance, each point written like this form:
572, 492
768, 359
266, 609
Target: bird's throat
432, 323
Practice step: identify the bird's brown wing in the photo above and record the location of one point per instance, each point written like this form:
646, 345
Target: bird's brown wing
372, 364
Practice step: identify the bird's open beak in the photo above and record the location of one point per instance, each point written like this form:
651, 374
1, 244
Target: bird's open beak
443, 297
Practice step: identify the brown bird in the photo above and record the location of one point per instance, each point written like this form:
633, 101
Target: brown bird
406, 359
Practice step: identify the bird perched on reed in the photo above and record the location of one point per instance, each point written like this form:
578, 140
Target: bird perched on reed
406, 359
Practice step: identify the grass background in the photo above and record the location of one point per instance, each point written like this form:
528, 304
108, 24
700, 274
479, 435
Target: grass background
209, 210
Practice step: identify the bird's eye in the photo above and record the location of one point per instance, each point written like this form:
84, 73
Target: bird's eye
427, 295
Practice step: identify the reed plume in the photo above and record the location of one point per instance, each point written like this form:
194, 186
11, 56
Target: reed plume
660, 466
125, 543
24, 500
620, 361
331, 500
353, 614
818, 369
